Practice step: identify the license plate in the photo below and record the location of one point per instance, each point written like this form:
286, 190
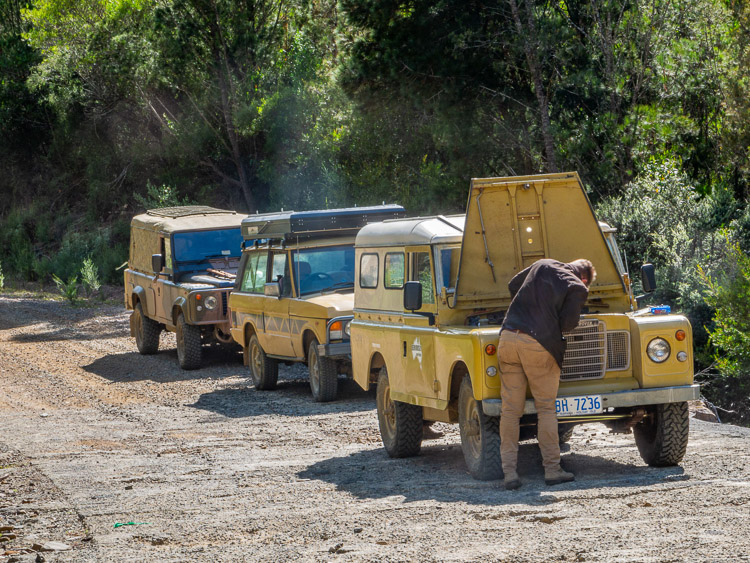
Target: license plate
576, 406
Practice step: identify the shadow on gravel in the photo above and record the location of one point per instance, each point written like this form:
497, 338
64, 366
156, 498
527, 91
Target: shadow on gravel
162, 367
439, 473
16, 312
290, 398
67, 333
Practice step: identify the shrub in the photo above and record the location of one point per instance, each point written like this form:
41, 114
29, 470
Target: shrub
661, 218
160, 196
69, 289
728, 292
90, 277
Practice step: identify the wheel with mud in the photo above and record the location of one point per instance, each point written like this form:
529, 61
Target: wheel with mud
400, 423
189, 347
662, 436
324, 374
147, 331
480, 436
264, 371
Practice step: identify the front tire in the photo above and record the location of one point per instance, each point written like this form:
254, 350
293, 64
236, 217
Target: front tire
189, 348
662, 437
480, 436
400, 423
264, 371
324, 375
147, 331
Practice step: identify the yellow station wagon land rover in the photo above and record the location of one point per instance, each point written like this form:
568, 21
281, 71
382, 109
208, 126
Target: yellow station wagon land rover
293, 297
430, 295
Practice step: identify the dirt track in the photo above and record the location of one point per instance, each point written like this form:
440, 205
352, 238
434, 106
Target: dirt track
94, 434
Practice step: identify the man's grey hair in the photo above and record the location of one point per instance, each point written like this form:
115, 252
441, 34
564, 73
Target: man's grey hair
584, 267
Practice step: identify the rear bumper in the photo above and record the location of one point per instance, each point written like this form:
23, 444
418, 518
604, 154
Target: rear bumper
630, 398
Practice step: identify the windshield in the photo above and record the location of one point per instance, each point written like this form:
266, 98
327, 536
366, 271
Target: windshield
323, 269
198, 246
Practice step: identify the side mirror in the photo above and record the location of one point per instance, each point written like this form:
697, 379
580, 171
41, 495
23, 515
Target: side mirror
271, 289
412, 295
648, 277
157, 263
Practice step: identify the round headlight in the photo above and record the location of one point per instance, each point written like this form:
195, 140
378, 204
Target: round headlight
348, 329
682, 356
211, 302
492, 371
658, 350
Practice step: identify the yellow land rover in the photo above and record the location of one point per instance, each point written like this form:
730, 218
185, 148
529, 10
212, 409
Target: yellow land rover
293, 297
430, 296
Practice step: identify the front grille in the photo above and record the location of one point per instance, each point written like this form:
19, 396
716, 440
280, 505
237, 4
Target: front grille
585, 355
618, 350
224, 303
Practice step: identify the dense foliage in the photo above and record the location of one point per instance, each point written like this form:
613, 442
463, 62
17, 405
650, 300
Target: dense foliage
107, 106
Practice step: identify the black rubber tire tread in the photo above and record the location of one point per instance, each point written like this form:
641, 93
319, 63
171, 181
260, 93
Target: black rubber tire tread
189, 347
484, 462
265, 374
404, 439
147, 332
328, 374
565, 432
662, 438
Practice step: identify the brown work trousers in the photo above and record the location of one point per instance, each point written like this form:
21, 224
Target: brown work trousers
522, 360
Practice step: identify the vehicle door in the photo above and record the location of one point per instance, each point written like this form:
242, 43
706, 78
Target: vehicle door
278, 326
248, 297
418, 332
163, 283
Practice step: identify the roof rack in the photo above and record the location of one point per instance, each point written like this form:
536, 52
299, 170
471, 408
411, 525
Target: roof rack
287, 225
185, 211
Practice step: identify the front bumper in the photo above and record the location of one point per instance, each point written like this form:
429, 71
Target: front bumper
630, 398
336, 349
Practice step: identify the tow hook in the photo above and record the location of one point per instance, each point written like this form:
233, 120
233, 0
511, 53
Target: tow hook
626, 426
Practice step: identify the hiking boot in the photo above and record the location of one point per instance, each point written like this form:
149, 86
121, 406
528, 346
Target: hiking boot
429, 433
557, 475
511, 481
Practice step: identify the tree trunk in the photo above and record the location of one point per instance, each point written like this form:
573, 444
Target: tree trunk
532, 60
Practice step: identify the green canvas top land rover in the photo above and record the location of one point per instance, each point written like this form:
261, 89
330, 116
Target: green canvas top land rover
181, 268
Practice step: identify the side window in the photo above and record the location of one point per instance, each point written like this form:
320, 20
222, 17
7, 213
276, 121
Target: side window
368, 271
394, 270
167, 250
421, 271
254, 276
279, 268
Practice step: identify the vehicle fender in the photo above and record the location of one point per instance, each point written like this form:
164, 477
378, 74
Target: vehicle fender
457, 372
375, 363
180, 305
138, 295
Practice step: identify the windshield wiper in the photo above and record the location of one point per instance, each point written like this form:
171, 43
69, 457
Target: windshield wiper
338, 285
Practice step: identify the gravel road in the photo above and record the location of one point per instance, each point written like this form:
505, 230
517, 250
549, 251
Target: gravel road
208, 469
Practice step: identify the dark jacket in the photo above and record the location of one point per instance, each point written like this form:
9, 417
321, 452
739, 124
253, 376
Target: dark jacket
547, 300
